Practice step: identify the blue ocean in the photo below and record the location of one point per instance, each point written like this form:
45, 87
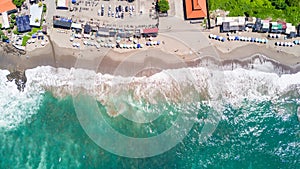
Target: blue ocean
254, 125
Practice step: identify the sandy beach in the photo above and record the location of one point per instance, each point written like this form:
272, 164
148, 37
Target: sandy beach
107, 60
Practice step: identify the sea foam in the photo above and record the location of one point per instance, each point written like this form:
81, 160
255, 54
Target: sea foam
183, 85
17, 106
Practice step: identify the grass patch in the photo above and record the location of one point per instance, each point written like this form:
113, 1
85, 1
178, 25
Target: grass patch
25, 39
34, 30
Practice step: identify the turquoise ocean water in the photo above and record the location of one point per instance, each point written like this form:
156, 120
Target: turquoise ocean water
255, 134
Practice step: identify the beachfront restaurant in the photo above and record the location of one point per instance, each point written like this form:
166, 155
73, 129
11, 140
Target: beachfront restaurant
103, 32
231, 27
60, 22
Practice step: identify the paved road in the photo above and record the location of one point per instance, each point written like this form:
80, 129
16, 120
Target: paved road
191, 35
51, 7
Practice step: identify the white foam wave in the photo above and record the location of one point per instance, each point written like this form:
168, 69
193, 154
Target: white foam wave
16, 106
171, 85
230, 86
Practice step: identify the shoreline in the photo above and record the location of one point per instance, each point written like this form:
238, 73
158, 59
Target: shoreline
106, 61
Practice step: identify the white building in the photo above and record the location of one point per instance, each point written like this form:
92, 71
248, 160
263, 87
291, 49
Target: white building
35, 15
62, 4
5, 22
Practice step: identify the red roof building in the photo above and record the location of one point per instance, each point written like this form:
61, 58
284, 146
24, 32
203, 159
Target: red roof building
7, 5
195, 9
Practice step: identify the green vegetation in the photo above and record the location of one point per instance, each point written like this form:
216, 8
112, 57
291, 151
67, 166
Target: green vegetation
44, 8
16, 32
11, 25
13, 16
34, 30
287, 10
25, 39
163, 6
18, 3
0, 26
3, 36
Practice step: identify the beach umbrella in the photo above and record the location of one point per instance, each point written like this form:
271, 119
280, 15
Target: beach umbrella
34, 36
154, 42
141, 45
118, 40
85, 42
223, 39
296, 42
276, 43
158, 42
98, 40
71, 38
78, 45
113, 45
236, 38
151, 38
43, 43
74, 44
97, 46
135, 41
210, 35
281, 43
93, 37
138, 45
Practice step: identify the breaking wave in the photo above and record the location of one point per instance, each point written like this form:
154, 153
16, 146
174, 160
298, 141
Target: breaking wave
174, 85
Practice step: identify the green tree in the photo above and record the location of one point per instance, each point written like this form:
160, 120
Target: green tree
18, 3
4, 38
163, 6
13, 16
44, 8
